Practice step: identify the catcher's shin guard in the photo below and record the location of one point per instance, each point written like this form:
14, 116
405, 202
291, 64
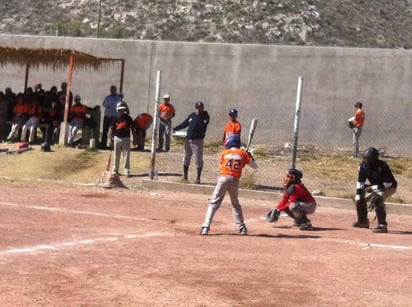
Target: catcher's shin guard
298, 213
380, 211
361, 210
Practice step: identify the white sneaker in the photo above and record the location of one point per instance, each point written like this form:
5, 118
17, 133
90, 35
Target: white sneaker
204, 231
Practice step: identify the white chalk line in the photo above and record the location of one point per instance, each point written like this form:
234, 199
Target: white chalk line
119, 216
59, 246
347, 241
63, 210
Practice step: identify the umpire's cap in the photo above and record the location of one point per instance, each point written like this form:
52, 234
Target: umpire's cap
199, 105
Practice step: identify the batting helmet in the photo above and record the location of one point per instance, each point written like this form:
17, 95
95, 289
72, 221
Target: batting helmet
232, 140
121, 106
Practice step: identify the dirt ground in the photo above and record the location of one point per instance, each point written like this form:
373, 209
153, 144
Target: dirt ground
87, 246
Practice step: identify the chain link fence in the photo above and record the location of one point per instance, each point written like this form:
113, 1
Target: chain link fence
328, 166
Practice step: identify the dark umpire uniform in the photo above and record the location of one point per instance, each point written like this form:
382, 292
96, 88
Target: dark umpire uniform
196, 124
382, 186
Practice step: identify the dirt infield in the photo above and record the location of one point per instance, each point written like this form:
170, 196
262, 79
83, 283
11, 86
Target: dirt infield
94, 247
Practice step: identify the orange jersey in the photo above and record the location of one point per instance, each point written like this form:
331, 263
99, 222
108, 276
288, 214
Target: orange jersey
35, 111
359, 118
143, 121
79, 111
232, 161
232, 128
20, 108
167, 109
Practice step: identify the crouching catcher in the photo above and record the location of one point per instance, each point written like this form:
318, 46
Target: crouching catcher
297, 202
382, 185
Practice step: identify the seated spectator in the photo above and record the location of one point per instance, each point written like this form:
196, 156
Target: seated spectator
77, 116
34, 112
19, 116
4, 113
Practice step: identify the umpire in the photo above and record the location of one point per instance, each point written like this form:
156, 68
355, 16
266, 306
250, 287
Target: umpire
196, 124
382, 186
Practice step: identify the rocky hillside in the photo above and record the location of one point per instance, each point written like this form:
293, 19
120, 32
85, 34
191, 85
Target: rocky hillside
350, 23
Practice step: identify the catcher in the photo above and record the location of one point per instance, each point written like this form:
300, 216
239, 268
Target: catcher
382, 185
297, 202
232, 161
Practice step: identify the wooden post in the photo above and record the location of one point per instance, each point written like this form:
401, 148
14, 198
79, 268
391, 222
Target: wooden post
65, 125
26, 77
121, 77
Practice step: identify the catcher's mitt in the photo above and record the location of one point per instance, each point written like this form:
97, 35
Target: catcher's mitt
272, 216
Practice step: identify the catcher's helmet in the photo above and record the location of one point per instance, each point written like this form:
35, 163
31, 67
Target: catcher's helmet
371, 153
232, 140
295, 172
121, 106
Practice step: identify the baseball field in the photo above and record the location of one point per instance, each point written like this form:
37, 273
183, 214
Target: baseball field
87, 246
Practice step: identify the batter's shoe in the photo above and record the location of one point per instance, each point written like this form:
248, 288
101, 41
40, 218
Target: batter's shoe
243, 231
204, 231
296, 223
381, 228
358, 224
306, 226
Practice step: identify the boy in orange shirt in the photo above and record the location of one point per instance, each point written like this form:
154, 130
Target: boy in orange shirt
358, 121
167, 112
232, 126
232, 161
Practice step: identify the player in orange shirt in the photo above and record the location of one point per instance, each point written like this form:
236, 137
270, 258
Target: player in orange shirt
167, 112
232, 161
77, 114
358, 121
142, 122
232, 126
19, 116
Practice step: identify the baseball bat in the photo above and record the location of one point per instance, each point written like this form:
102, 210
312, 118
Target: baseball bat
251, 133
109, 161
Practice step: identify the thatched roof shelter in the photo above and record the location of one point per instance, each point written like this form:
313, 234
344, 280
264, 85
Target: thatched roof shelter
52, 58
56, 59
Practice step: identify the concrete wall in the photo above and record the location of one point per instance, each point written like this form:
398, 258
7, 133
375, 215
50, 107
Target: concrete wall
259, 80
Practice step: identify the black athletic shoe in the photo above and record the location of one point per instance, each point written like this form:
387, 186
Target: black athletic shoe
306, 226
381, 228
358, 224
243, 231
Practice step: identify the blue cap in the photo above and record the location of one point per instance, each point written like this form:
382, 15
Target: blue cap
233, 112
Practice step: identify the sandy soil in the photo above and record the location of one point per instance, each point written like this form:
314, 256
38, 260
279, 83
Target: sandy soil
94, 247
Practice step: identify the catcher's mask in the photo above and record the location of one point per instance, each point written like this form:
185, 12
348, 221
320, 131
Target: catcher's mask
371, 155
292, 176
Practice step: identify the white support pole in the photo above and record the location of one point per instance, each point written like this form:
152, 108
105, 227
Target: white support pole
297, 118
155, 127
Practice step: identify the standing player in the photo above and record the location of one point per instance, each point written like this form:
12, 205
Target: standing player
358, 121
232, 161
382, 185
232, 126
297, 202
119, 137
196, 124
167, 112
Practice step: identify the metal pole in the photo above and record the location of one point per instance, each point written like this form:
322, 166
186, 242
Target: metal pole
98, 18
155, 127
26, 78
121, 77
297, 118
